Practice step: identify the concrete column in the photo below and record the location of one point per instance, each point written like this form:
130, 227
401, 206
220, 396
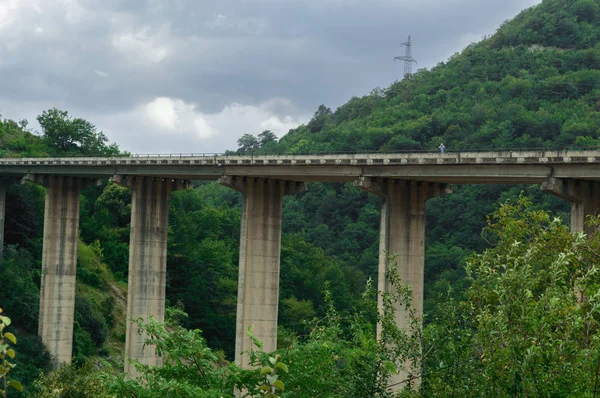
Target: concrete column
59, 262
147, 261
584, 197
4, 184
402, 232
260, 242
3, 189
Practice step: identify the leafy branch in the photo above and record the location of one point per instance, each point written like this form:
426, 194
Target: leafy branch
6, 353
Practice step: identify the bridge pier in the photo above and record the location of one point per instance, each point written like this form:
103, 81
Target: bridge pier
260, 242
147, 261
5, 183
59, 263
402, 233
3, 189
584, 197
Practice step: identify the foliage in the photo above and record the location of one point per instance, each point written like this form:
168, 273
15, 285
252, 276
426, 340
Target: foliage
73, 136
90, 329
529, 325
338, 359
90, 268
202, 258
106, 220
6, 355
20, 266
320, 118
73, 382
267, 382
272, 386
266, 138
190, 368
20, 293
17, 141
248, 143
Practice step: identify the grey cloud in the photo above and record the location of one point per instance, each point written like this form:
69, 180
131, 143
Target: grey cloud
104, 59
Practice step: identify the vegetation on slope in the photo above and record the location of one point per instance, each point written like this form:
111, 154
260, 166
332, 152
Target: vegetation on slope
534, 84
97, 306
529, 325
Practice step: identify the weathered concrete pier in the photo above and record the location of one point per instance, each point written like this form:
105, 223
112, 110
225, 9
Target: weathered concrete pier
147, 260
405, 181
260, 242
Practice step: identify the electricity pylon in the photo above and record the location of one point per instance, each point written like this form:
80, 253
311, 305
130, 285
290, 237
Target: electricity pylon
407, 58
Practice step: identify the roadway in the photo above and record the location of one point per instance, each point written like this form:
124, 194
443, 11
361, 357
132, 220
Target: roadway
503, 167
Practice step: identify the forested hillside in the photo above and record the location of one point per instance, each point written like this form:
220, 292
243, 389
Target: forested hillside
99, 297
535, 83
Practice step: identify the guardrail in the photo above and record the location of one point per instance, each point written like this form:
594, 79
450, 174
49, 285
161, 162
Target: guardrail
314, 153
529, 156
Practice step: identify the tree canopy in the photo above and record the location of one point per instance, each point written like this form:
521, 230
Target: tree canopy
66, 135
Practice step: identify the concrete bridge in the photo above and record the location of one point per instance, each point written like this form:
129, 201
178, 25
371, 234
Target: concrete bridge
404, 180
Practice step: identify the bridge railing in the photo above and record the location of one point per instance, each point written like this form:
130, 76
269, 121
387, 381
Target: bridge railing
396, 152
448, 151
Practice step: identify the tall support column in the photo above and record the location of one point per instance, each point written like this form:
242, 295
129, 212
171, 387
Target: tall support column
402, 233
260, 242
147, 261
584, 197
4, 184
59, 262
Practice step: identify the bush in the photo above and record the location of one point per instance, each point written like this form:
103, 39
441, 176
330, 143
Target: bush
90, 269
19, 294
89, 317
73, 382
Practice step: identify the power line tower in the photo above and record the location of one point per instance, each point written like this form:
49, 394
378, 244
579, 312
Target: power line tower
407, 58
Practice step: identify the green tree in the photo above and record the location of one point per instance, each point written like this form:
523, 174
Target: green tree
108, 223
267, 137
72, 381
247, 143
320, 118
73, 136
523, 329
339, 358
586, 10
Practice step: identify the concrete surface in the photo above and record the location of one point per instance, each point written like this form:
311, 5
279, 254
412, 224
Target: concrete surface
147, 261
402, 236
260, 243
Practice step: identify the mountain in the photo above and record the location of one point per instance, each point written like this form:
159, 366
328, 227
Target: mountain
535, 83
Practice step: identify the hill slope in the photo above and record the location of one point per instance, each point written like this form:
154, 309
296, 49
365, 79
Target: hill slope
535, 83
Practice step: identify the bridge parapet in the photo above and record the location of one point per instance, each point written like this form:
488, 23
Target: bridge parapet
555, 156
502, 167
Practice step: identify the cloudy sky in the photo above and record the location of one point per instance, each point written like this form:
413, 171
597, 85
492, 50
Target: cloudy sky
170, 76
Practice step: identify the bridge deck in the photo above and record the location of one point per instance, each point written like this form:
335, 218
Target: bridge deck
461, 168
